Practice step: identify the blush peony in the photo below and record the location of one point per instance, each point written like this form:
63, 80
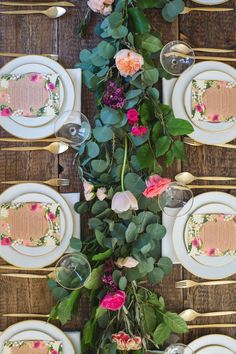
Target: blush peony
103, 7
124, 201
128, 62
113, 302
125, 342
155, 186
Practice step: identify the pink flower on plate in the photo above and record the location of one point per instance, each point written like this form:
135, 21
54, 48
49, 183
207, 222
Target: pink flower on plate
35, 207
196, 242
35, 77
51, 86
3, 97
113, 302
6, 112
132, 116
26, 243
212, 252
155, 186
51, 216
4, 226
6, 241
125, 342
37, 344
123, 201
139, 130
128, 62
53, 351
214, 118
200, 107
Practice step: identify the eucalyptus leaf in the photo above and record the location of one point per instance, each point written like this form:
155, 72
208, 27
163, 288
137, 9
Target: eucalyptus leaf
134, 183
102, 134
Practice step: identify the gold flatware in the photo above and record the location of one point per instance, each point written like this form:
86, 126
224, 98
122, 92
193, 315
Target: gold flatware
25, 276
55, 148
48, 140
52, 12
200, 2
9, 267
187, 10
213, 325
192, 142
186, 178
185, 284
182, 48
54, 182
59, 3
36, 315
190, 315
211, 186
199, 57
16, 55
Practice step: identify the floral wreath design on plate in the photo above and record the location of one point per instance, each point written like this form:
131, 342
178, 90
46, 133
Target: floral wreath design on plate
45, 347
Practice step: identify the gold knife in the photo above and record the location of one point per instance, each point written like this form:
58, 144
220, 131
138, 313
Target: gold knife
9, 267
211, 186
25, 276
59, 3
49, 140
36, 315
213, 325
16, 55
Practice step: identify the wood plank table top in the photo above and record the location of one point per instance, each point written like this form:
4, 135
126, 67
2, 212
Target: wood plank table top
37, 34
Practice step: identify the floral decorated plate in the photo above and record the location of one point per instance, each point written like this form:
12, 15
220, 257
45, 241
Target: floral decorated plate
28, 261
212, 208
39, 251
188, 262
37, 121
181, 85
206, 75
212, 343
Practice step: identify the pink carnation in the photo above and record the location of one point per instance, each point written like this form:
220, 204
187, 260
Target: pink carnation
113, 302
132, 116
139, 130
155, 186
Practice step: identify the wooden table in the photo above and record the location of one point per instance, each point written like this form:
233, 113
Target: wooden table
38, 34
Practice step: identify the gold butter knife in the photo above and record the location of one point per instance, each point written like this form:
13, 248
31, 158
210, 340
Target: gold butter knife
211, 186
49, 140
16, 55
59, 3
213, 325
25, 276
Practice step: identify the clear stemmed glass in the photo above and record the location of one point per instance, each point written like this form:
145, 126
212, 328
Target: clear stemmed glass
176, 195
72, 271
73, 126
178, 348
174, 64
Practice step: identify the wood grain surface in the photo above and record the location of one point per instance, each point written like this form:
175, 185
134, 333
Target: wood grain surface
37, 34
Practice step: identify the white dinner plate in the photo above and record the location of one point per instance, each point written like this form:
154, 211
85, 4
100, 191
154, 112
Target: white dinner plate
211, 208
26, 261
31, 335
206, 75
225, 342
39, 326
38, 198
205, 137
45, 130
214, 349
36, 121
209, 2
194, 267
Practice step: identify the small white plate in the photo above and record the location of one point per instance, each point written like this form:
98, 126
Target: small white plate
37, 326
210, 2
38, 198
211, 208
31, 335
206, 75
225, 342
194, 267
36, 121
205, 137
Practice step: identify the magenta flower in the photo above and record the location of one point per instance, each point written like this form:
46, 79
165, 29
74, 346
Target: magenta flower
51, 216
54, 351
6, 112
212, 252
132, 116
35, 77
200, 108
6, 241
113, 302
215, 118
114, 96
139, 130
37, 344
51, 86
196, 242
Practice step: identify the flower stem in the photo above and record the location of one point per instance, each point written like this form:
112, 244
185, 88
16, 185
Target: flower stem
124, 165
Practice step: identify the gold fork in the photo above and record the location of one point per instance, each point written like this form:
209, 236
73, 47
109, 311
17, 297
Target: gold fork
187, 10
192, 142
54, 182
185, 284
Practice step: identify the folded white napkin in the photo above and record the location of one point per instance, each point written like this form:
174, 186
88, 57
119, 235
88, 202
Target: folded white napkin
76, 76
71, 199
74, 337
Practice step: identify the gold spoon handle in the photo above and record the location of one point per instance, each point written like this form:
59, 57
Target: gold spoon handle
9, 267
212, 186
36, 315
213, 325
24, 276
24, 148
213, 9
19, 182
59, 3
210, 178
219, 313
22, 12
214, 50
218, 282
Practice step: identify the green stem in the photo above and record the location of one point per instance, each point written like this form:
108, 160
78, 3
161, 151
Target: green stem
124, 165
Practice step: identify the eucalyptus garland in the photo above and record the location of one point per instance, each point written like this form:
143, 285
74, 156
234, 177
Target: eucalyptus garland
134, 136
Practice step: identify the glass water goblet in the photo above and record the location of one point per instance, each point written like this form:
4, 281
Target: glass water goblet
173, 63
72, 271
176, 195
73, 126
178, 348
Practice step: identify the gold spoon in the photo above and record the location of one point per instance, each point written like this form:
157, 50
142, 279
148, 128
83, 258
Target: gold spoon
190, 315
59, 3
182, 48
186, 178
55, 148
52, 12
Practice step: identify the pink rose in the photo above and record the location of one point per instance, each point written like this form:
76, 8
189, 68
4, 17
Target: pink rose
35, 207
215, 118
139, 130
35, 77
51, 216
212, 252
200, 108
132, 116
128, 62
6, 241
125, 342
196, 242
51, 86
103, 7
123, 201
37, 344
128, 262
3, 97
6, 112
101, 193
155, 186
54, 351
113, 302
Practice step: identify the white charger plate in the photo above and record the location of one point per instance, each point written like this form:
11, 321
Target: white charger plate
40, 327
213, 340
36, 121
38, 198
194, 267
26, 261
211, 208
214, 349
69, 92
181, 85
209, 2
206, 75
